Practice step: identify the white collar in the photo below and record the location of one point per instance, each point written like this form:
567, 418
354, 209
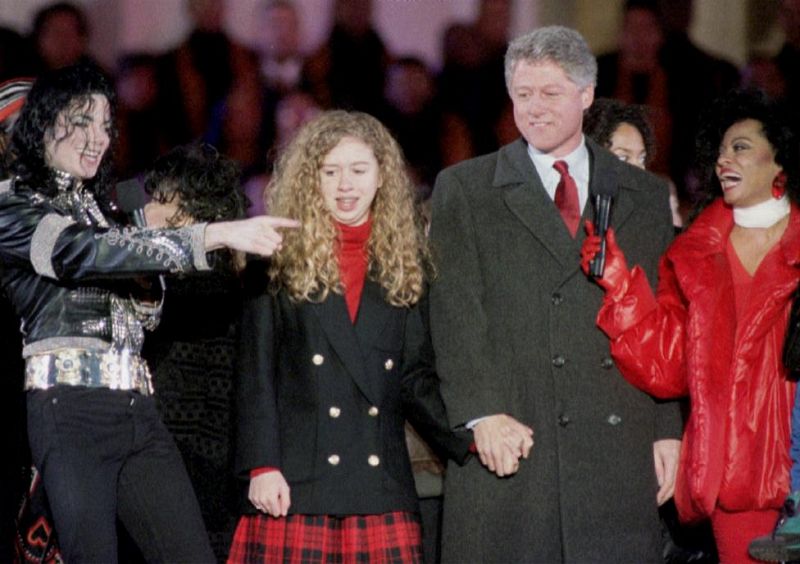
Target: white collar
578, 163
762, 215
573, 159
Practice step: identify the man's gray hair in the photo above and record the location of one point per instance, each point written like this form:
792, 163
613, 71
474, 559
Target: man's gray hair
556, 44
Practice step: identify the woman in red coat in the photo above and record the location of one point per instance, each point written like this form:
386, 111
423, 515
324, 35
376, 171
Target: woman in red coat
715, 329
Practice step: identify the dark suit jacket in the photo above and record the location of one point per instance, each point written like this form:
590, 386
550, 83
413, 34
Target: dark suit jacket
513, 325
325, 400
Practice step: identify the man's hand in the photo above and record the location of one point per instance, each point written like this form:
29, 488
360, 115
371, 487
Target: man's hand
666, 453
269, 493
258, 235
501, 441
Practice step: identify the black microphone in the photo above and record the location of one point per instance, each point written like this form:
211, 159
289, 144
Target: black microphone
131, 200
603, 192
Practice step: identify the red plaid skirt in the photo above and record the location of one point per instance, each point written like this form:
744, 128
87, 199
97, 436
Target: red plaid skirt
309, 539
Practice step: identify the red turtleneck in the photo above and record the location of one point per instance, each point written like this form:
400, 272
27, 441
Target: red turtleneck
353, 258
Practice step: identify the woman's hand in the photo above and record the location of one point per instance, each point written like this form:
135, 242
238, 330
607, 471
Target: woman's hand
269, 493
616, 275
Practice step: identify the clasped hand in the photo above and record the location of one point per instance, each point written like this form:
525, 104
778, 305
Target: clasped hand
615, 274
501, 441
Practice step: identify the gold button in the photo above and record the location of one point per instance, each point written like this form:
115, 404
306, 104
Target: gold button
389, 364
317, 359
373, 411
333, 459
373, 460
334, 412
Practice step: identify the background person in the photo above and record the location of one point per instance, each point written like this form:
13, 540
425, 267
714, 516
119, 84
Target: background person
192, 353
60, 37
12, 428
625, 130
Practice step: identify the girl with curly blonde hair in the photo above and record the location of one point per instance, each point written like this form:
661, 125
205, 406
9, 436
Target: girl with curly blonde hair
397, 247
336, 355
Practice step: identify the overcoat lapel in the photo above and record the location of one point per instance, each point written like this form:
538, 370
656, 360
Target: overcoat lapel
527, 199
349, 341
374, 313
603, 169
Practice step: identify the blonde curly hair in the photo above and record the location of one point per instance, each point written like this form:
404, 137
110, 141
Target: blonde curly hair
307, 266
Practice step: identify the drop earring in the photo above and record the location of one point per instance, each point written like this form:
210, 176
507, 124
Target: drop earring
779, 185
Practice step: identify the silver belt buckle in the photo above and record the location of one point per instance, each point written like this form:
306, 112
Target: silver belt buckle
116, 370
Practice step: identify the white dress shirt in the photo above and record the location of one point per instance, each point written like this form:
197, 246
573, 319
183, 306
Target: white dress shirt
578, 164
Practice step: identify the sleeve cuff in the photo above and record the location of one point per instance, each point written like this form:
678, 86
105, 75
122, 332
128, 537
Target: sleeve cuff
472, 422
262, 470
199, 246
43, 243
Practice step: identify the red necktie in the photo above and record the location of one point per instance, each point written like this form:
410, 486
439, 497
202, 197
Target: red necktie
566, 199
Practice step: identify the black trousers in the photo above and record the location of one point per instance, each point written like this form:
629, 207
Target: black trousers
105, 454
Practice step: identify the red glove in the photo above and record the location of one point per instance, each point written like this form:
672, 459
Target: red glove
616, 275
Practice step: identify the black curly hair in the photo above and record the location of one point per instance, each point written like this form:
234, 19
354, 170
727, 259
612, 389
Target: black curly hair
734, 107
605, 115
206, 183
63, 90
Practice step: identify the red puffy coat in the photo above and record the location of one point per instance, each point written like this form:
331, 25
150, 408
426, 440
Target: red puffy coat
685, 341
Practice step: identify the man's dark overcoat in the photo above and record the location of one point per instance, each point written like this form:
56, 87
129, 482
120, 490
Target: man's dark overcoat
513, 323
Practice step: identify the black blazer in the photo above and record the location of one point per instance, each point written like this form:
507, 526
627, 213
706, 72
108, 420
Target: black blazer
325, 400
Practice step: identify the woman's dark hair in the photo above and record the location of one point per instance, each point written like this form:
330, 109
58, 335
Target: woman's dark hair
732, 108
67, 89
206, 183
605, 115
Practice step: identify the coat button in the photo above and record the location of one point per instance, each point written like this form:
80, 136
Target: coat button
317, 359
559, 361
389, 364
564, 420
373, 411
557, 298
333, 459
607, 363
334, 412
614, 419
373, 460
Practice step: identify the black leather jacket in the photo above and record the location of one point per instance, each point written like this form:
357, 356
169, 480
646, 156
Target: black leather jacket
68, 273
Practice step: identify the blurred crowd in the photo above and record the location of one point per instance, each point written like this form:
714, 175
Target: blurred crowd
247, 101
